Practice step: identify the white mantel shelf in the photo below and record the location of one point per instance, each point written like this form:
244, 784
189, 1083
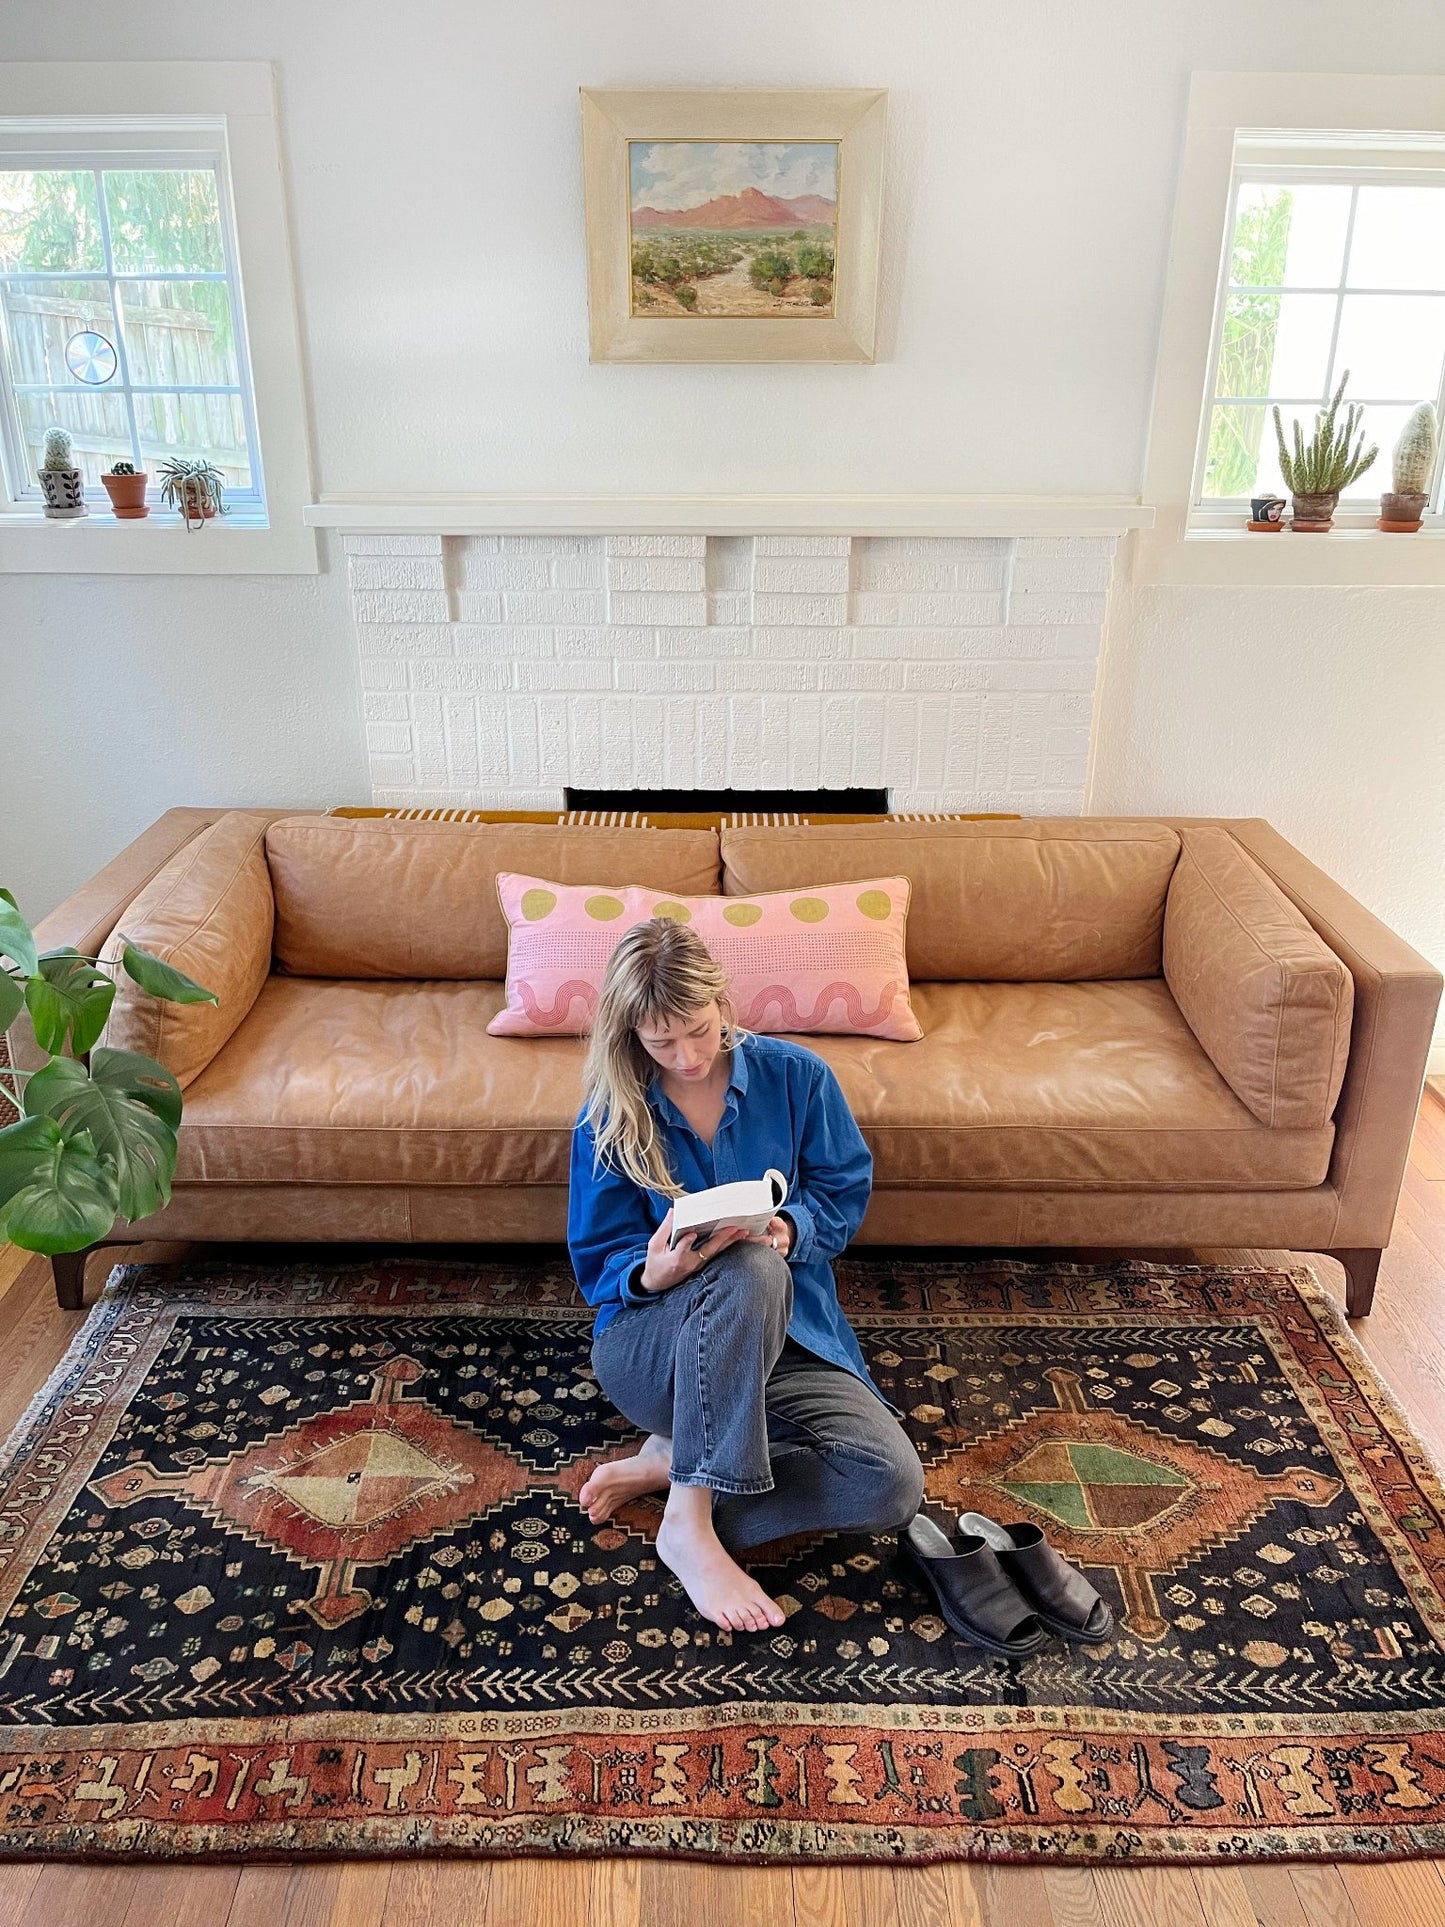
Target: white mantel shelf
877, 515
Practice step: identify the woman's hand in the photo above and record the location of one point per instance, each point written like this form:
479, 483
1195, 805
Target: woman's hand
665, 1268
779, 1235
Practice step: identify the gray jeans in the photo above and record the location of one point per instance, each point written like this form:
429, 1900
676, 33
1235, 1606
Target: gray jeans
789, 1442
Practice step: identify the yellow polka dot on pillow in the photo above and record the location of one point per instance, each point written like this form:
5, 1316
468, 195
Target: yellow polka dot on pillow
674, 912
876, 904
809, 909
537, 904
741, 915
603, 909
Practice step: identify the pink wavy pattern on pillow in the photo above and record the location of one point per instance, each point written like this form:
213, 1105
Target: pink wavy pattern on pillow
553, 1016
860, 1017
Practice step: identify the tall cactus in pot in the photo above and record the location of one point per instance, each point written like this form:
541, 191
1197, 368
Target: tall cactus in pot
60, 480
1316, 470
1413, 470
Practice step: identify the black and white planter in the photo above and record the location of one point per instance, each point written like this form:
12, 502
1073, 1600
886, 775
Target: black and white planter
64, 491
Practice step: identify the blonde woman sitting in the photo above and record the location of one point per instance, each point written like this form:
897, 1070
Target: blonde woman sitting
734, 1356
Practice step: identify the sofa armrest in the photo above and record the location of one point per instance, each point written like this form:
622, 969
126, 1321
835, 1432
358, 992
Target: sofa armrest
88, 915
1396, 996
210, 913
1266, 997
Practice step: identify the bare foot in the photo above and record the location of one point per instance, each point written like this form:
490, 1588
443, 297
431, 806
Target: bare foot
715, 1583
613, 1484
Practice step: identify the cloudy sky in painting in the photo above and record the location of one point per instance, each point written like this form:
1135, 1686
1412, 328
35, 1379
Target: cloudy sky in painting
683, 174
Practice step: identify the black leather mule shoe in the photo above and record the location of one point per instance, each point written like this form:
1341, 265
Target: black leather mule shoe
1059, 1595
975, 1595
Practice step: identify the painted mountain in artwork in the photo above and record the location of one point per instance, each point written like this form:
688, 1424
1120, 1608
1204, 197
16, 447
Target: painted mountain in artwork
750, 209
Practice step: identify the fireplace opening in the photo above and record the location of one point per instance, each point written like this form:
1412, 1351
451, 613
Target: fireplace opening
850, 802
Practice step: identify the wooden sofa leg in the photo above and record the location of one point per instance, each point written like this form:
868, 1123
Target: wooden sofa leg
1361, 1267
68, 1268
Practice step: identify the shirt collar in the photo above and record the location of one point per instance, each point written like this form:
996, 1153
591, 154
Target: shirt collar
736, 1087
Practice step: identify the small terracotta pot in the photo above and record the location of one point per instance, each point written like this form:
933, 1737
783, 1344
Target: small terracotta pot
1313, 514
1400, 512
127, 495
195, 505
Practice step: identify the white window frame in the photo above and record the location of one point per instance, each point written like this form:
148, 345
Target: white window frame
1378, 127
214, 114
200, 147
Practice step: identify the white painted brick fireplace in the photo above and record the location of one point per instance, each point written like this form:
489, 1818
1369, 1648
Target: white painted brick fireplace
957, 672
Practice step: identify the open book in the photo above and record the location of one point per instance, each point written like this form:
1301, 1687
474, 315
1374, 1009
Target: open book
750, 1203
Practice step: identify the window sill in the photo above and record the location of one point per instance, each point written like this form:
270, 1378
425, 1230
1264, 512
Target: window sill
1344, 557
100, 544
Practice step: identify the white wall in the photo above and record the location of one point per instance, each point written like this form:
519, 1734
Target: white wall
433, 164
1320, 709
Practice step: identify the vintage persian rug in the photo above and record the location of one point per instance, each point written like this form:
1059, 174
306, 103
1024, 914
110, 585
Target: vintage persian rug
291, 1562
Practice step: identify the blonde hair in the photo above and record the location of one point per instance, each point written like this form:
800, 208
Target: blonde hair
660, 970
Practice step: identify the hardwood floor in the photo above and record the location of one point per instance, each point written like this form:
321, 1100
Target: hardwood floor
1405, 1335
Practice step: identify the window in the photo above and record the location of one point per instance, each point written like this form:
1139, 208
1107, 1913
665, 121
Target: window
1334, 264
120, 318
147, 305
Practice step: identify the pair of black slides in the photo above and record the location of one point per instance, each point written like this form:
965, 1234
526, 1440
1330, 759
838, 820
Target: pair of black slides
1005, 1587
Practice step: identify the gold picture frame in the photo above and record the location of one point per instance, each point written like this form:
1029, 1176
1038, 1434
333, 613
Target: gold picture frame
733, 225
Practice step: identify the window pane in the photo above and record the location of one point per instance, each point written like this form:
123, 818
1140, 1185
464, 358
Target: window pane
165, 219
1243, 459
1291, 237
41, 317
1319, 219
179, 333
49, 219
1275, 344
1392, 346
1382, 426
1399, 239
95, 418
209, 426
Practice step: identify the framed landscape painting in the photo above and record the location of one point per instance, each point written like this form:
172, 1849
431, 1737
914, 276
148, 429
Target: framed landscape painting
733, 226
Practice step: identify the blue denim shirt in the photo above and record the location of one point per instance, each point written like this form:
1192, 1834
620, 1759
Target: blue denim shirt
784, 1108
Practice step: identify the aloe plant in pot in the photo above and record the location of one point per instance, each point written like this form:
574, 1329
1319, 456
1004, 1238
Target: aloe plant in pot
96, 1136
194, 487
1315, 471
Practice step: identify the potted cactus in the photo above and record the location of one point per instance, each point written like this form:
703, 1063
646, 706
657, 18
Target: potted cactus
194, 487
1414, 464
1316, 470
60, 480
127, 490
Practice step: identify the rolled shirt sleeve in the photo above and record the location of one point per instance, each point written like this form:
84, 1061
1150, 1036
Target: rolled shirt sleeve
835, 1173
609, 1223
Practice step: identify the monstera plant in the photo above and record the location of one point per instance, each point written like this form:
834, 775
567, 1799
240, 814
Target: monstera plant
96, 1135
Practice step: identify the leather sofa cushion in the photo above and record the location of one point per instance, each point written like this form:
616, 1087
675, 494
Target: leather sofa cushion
209, 913
1267, 998
1056, 899
1078, 1086
372, 897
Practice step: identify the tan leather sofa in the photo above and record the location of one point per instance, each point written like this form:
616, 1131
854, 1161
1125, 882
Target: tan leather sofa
1138, 1031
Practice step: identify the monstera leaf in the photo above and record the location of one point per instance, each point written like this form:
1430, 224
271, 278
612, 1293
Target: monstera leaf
163, 979
95, 1143
16, 941
128, 1108
12, 999
68, 996
55, 1194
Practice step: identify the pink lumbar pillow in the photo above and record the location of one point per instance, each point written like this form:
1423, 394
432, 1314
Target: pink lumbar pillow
828, 959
